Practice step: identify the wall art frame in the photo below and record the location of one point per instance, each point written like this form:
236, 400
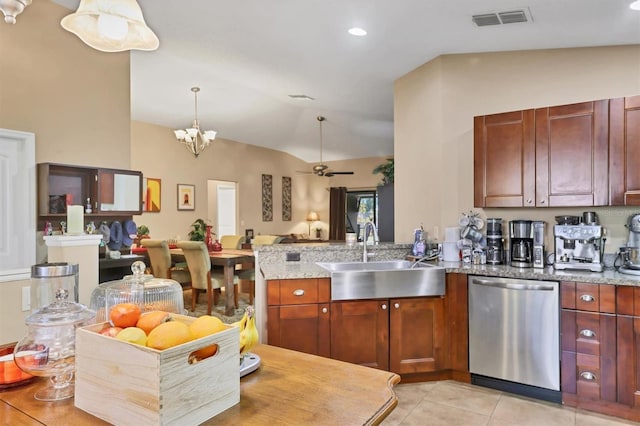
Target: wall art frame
267, 198
151, 195
286, 198
186, 196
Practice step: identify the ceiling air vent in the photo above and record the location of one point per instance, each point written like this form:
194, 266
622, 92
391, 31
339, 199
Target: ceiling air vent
513, 16
506, 17
486, 19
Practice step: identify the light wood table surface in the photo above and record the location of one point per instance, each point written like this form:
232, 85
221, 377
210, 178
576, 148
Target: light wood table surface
289, 388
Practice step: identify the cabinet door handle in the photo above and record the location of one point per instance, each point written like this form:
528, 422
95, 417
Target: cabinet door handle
324, 310
541, 201
587, 375
529, 201
396, 305
384, 306
587, 298
298, 292
588, 333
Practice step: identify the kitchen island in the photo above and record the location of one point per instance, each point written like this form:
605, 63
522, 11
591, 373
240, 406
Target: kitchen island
289, 388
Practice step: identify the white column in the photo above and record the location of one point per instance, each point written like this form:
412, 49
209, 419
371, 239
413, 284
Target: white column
81, 250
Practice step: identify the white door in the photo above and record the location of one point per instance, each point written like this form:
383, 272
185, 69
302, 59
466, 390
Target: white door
224, 204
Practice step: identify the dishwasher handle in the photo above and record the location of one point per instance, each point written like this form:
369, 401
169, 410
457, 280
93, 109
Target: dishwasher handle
513, 285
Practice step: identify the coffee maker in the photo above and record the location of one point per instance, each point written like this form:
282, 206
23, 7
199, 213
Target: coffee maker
521, 243
579, 246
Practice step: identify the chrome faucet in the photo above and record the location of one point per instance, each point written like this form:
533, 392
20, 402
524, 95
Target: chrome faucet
368, 227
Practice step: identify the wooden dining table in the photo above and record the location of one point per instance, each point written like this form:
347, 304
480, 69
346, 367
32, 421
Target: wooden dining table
228, 259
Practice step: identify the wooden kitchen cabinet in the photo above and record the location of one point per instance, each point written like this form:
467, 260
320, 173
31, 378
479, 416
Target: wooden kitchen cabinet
404, 335
588, 341
504, 159
628, 360
548, 157
299, 315
572, 152
624, 141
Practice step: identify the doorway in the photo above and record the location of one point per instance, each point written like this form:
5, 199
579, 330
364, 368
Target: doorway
223, 206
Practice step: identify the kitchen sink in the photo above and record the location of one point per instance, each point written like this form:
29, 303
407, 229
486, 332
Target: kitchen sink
384, 279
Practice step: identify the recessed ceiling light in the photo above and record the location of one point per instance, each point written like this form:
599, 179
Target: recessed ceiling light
359, 31
635, 5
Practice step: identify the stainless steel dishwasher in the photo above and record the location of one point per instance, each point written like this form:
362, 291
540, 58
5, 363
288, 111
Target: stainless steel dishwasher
514, 335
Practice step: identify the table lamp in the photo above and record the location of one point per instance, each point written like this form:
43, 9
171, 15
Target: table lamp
312, 217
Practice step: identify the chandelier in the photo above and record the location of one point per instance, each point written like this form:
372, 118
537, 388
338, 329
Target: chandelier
12, 8
193, 138
111, 26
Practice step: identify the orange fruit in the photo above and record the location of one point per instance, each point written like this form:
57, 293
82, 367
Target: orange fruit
124, 315
169, 334
150, 320
205, 326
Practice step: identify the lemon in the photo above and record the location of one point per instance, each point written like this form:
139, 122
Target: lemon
133, 335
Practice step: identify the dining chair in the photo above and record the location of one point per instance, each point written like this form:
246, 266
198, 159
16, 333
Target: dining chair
202, 277
161, 265
231, 242
249, 274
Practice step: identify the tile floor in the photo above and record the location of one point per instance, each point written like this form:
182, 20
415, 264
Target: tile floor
453, 403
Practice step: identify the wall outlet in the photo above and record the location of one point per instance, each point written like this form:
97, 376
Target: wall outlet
26, 299
293, 257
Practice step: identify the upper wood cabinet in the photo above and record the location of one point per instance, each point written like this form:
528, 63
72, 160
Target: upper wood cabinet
548, 157
504, 160
111, 192
572, 155
624, 140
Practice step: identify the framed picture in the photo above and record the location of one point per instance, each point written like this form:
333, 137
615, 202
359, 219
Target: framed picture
151, 190
186, 197
248, 235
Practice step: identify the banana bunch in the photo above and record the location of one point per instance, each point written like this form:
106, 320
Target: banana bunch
248, 330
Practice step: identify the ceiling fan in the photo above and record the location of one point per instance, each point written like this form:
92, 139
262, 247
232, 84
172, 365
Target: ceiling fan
322, 169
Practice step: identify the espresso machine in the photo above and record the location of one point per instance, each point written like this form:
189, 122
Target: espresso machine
579, 246
521, 243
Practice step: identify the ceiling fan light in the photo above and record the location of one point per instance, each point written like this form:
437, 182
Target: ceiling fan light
111, 26
192, 132
180, 134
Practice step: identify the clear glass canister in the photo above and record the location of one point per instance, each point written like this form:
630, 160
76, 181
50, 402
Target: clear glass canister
48, 278
159, 294
48, 349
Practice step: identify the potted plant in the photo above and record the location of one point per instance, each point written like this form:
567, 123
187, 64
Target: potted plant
142, 232
199, 228
387, 171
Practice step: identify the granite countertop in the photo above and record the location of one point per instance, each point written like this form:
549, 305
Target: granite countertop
289, 270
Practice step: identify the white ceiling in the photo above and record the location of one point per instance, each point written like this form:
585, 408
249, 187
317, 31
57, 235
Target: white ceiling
247, 56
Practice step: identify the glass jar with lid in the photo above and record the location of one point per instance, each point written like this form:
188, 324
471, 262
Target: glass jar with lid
159, 294
48, 349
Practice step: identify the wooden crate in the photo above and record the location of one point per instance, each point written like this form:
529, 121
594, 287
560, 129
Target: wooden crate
123, 383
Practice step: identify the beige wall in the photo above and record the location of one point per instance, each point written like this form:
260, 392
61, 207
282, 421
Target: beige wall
434, 109
155, 151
